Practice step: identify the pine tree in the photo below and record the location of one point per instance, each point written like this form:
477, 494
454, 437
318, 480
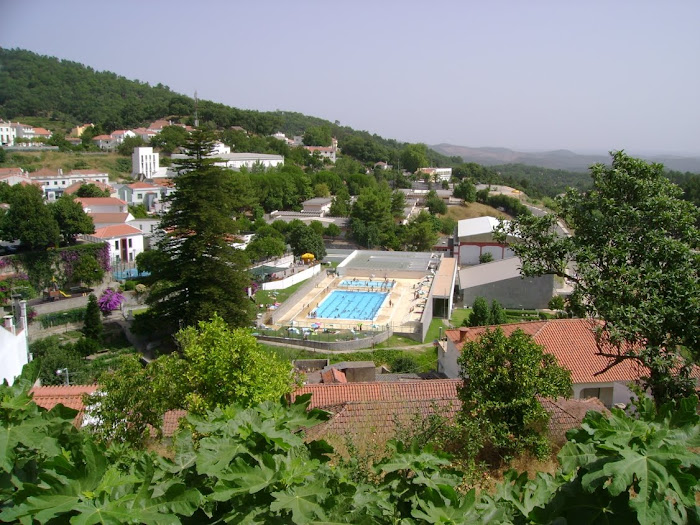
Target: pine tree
92, 329
201, 273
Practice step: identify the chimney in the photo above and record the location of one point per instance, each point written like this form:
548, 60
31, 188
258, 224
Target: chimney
9, 325
23, 314
463, 334
60, 171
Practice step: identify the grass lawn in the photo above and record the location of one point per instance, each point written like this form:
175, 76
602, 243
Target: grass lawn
66, 160
423, 359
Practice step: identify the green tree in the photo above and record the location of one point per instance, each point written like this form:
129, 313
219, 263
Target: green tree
91, 190
322, 190
414, 157
71, 219
635, 251
465, 190
126, 405
263, 247
304, 239
224, 365
170, 138
398, 204
87, 270
332, 230
419, 234
92, 327
370, 218
340, 207
29, 219
317, 136
485, 257
481, 315
199, 272
435, 205
497, 315
126, 148
503, 379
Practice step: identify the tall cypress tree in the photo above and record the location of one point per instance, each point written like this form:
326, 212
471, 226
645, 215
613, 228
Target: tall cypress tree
92, 329
202, 273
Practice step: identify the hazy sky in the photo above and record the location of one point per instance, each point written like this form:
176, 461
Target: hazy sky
590, 76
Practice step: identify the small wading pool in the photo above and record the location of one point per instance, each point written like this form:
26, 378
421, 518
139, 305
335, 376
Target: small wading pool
379, 285
350, 305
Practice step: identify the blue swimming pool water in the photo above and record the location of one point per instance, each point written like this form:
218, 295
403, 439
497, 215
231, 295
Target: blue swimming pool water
350, 305
129, 273
367, 284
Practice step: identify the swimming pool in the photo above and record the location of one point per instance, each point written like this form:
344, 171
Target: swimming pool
129, 273
350, 305
367, 284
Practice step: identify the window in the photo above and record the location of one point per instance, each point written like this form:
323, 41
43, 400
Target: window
130, 246
116, 245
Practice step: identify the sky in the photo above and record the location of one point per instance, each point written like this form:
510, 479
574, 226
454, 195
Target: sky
590, 76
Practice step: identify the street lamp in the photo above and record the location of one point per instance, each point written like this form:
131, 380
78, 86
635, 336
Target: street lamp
62, 371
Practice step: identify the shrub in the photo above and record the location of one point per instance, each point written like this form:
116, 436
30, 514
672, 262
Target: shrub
110, 300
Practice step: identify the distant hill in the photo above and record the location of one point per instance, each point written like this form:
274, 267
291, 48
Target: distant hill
557, 159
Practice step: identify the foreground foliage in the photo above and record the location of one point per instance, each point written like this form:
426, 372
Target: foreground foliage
253, 466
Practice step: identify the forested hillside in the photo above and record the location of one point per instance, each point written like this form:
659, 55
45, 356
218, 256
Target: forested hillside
59, 94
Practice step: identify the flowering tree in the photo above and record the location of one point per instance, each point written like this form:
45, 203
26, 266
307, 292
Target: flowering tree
109, 301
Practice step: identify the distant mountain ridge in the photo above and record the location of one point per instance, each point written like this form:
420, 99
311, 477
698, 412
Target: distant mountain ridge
557, 159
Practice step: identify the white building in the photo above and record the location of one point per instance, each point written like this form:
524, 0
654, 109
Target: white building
326, 152
12, 176
125, 241
55, 182
8, 133
236, 161
474, 237
14, 347
437, 174
146, 162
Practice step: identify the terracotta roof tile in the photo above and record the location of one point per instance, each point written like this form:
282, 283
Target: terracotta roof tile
116, 230
328, 395
143, 186
571, 341
107, 219
101, 201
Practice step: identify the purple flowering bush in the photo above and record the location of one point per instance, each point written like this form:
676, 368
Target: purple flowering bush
110, 300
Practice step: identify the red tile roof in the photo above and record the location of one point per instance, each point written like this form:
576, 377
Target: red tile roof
100, 201
76, 186
116, 230
571, 341
45, 172
333, 375
328, 395
143, 186
107, 219
72, 397
8, 172
102, 137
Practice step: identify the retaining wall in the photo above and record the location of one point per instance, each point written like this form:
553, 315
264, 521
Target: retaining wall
330, 346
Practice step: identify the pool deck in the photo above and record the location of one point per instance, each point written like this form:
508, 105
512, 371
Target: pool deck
403, 306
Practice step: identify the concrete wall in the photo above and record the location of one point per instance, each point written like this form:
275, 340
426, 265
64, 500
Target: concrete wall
13, 353
332, 346
610, 393
293, 279
527, 292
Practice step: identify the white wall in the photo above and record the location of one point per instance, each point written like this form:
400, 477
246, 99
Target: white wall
13, 354
292, 279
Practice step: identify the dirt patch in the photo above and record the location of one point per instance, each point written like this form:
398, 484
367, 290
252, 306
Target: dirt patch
473, 210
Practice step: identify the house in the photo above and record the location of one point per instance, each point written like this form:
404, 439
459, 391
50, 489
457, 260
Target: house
114, 139
236, 161
14, 343
572, 342
55, 182
8, 133
502, 281
369, 414
326, 152
145, 134
12, 176
145, 162
436, 174
474, 237
146, 193
73, 188
319, 205
106, 211
72, 396
125, 241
